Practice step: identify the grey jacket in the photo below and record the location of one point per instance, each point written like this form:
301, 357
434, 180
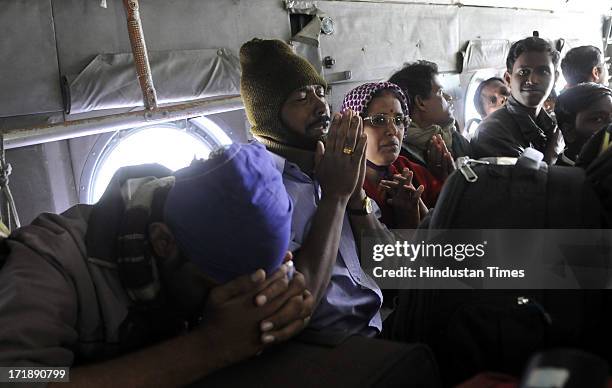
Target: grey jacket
61, 299
56, 302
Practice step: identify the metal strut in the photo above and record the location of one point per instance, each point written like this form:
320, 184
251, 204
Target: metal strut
139, 50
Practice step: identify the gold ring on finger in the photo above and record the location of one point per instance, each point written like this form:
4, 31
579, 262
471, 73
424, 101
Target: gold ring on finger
347, 150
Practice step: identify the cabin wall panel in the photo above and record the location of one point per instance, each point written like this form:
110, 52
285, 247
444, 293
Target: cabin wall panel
552, 5
195, 24
29, 182
515, 24
84, 29
601, 6
28, 64
372, 41
60, 172
42, 179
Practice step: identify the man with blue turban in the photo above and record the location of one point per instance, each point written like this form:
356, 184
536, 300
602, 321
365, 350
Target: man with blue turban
166, 279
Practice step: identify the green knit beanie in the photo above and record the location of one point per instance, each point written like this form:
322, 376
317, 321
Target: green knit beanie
270, 72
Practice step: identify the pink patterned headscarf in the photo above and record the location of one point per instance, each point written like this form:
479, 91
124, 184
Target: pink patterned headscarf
358, 99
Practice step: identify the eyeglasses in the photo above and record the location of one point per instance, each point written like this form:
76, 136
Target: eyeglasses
382, 121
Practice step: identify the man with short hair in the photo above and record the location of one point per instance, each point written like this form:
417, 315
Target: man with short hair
284, 98
431, 111
490, 96
523, 122
584, 64
126, 292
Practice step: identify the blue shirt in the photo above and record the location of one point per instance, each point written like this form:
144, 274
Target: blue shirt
352, 300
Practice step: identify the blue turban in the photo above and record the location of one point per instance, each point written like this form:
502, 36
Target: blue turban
231, 214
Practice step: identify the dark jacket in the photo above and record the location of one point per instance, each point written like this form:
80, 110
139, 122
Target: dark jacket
461, 146
508, 131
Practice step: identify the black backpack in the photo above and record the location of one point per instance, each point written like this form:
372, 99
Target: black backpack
599, 175
4, 251
504, 195
476, 330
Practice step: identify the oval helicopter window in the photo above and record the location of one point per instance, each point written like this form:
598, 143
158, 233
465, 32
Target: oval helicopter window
472, 118
173, 145
560, 84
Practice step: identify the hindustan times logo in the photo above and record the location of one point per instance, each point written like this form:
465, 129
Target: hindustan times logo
411, 251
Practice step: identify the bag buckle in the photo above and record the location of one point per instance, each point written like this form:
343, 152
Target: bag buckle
463, 164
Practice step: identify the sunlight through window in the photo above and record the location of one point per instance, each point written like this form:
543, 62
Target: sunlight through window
167, 145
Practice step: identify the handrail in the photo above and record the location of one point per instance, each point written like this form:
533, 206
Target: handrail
21, 137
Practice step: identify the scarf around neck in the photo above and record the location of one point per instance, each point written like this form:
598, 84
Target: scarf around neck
419, 138
138, 269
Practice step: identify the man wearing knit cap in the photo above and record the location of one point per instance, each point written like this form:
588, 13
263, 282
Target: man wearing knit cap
323, 167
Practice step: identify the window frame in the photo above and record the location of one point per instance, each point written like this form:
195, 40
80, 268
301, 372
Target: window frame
209, 132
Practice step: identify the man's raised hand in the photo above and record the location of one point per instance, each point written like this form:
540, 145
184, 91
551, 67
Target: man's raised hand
338, 163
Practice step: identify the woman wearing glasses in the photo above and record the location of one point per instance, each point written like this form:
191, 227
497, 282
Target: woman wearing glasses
394, 182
